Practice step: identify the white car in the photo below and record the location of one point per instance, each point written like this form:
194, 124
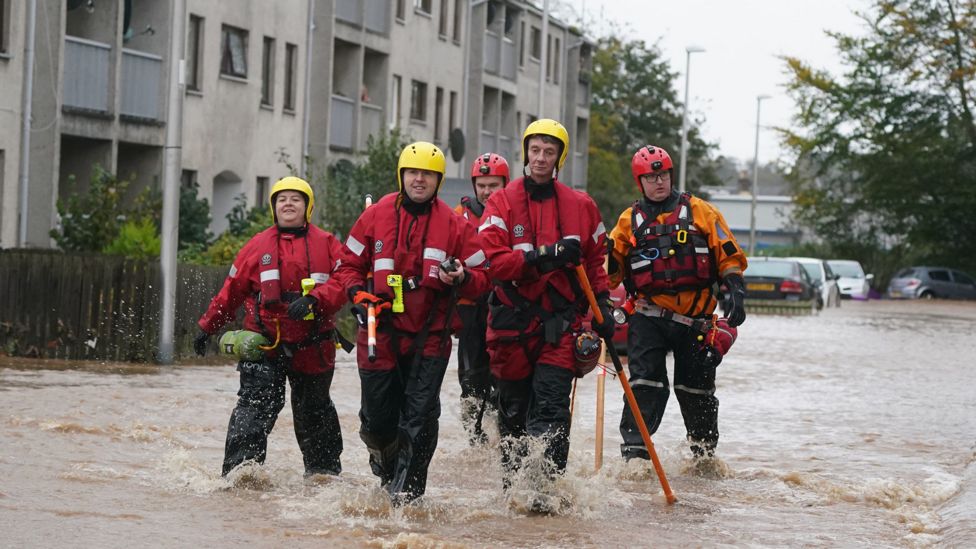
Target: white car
853, 282
824, 279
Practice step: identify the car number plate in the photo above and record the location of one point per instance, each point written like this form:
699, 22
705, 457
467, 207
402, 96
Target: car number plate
761, 287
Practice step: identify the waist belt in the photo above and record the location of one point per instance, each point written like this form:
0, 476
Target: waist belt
702, 325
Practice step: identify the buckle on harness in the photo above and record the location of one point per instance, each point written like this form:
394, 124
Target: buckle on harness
682, 236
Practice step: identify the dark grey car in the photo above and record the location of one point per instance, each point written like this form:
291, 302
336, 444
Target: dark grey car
931, 282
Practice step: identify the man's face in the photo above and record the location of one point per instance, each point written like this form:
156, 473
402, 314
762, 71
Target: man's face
290, 209
656, 186
420, 185
484, 185
542, 159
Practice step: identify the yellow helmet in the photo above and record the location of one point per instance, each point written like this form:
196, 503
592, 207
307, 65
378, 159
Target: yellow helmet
546, 126
292, 183
421, 156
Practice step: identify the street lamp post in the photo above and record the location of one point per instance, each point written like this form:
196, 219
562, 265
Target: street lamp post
755, 179
684, 119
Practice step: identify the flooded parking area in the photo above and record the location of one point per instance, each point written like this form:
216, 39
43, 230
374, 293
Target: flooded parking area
850, 427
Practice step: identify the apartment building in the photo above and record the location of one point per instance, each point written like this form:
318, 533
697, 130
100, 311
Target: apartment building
261, 81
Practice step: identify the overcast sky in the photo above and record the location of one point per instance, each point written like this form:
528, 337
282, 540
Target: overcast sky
742, 40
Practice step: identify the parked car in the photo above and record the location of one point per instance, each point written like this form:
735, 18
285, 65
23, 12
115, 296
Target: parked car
853, 282
824, 279
778, 278
931, 282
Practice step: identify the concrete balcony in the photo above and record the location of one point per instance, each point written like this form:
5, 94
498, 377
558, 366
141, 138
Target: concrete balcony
87, 66
583, 95
350, 12
341, 122
509, 59
370, 123
491, 58
378, 16
142, 75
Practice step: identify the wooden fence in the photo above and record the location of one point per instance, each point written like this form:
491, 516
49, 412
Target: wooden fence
87, 306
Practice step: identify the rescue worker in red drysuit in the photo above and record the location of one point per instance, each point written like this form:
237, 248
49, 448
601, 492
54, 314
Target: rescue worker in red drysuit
266, 278
535, 232
410, 233
671, 250
489, 173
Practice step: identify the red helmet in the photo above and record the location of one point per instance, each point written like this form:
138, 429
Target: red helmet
649, 159
489, 164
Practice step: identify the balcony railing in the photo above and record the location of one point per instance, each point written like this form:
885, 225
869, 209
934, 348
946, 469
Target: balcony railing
488, 142
378, 16
340, 122
508, 59
86, 74
370, 123
141, 78
491, 53
349, 11
583, 95
579, 170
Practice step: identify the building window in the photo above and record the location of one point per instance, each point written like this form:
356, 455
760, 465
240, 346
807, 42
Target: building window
291, 62
188, 179
4, 26
556, 60
395, 101
418, 100
233, 51
194, 53
458, 21
422, 6
442, 19
401, 9
261, 190
438, 113
535, 44
522, 44
552, 59
267, 71
452, 113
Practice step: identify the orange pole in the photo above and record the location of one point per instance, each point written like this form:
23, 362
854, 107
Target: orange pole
631, 400
601, 383
371, 308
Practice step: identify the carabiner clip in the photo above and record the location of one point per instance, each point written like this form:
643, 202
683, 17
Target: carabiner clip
646, 254
682, 236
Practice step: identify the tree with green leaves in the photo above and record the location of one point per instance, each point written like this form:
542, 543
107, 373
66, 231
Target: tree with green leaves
884, 155
634, 104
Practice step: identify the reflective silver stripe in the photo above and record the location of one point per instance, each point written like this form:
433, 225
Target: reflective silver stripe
272, 274
356, 246
233, 271
701, 250
319, 278
476, 259
640, 264
525, 247
383, 264
435, 254
572, 237
639, 219
647, 382
600, 230
694, 391
684, 212
493, 220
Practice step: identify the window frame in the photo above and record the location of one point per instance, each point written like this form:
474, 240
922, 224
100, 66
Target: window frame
268, 48
424, 7
228, 63
194, 46
5, 28
291, 77
535, 44
442, 19
418, 101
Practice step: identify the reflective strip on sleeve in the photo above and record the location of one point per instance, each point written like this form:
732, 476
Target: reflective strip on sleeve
496, 221
575, 237
638, 219
383, 264
719, 232
475, 259
356, 246
319, 278
525, 247
640, 264
272, 274
233, 271
684, 212
694, 391
701, 250
601, 229
647, 382
435, 254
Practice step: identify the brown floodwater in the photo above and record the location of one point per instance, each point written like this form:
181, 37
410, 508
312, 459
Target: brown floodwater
852, 427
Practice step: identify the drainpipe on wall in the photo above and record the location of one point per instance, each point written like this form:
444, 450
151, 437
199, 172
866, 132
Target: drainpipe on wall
25, 131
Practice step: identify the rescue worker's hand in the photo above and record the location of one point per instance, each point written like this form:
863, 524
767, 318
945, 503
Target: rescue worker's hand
549, 257
359, 313
454, 276
734, 304
200, 343
707, 357
364, 298
301, 307
606, 328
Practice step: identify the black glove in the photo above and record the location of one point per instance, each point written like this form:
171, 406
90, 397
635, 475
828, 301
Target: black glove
200, 343
607, 328
549, 257
734, 304
360, 314
301, 307
707, 357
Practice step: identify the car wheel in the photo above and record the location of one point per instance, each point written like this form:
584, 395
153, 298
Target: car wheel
927, 294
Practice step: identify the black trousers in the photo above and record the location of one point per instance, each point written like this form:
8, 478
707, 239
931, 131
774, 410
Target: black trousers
260, 399
474, 372
648, 342
399, 412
